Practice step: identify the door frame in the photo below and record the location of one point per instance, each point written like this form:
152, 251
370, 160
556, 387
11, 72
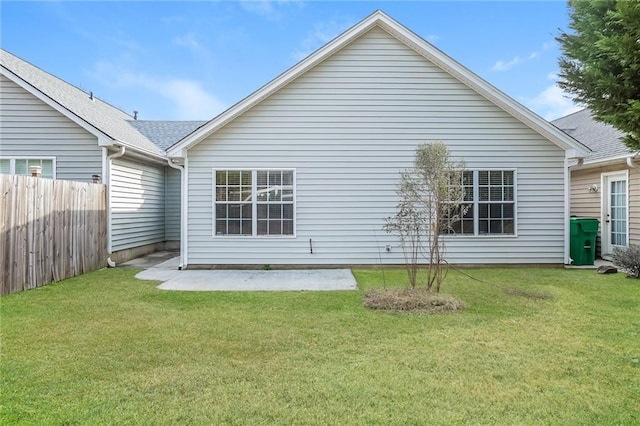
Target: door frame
605, 224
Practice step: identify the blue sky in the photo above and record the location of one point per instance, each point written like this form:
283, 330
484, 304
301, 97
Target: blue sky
192, 60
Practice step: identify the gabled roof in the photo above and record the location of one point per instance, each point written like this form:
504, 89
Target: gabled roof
418, 44
604, 140
165, 133
94, 115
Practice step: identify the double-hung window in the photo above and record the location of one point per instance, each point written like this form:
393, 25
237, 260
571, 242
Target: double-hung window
489, 198
254, 202
22, 166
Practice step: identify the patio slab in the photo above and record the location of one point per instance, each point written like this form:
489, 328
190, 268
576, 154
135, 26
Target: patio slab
248, 280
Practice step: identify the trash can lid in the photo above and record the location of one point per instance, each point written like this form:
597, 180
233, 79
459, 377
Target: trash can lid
588, 224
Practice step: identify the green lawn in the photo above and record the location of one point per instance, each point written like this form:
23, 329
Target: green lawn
105, 348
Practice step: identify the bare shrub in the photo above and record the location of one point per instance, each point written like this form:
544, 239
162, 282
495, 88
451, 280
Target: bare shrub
404, 299
628, 259
431, 201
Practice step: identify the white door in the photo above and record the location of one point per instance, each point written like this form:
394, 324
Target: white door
615, 226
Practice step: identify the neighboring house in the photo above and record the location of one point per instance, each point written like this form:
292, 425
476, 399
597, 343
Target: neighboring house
606, 184
73, 135
304, 170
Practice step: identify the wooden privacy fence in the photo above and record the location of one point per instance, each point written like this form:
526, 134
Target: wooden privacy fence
51, 230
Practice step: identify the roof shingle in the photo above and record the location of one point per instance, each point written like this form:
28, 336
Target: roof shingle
604, 140
165, 133
99, 114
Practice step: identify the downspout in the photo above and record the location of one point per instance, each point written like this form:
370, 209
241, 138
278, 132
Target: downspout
116, 154
631, 163
183, 221
567, 209
105, 169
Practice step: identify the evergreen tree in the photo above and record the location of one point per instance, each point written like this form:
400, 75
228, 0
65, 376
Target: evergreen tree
600, 64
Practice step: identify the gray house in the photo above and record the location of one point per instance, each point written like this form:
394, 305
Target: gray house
304, 170
73, 135
606, 183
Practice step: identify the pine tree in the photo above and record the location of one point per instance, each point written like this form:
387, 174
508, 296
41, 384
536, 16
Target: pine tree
600, 64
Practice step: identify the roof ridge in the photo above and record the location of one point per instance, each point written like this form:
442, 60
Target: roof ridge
570, 114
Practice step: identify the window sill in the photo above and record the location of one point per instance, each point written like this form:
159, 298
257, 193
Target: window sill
480, 236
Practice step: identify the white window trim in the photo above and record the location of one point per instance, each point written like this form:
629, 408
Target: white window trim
476, 202
12, 162
254, 204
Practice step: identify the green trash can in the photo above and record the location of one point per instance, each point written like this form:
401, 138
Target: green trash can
582, 246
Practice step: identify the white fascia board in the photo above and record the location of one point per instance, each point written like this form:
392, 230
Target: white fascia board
103, 138
139, 155
104, 141
178, 154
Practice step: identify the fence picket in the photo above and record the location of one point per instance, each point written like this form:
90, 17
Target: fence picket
50, 230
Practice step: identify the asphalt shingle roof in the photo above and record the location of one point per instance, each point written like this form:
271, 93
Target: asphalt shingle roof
165, 133
101, 115
604, 140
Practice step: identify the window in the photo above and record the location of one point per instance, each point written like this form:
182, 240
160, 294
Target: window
254, 202
464, 224
21, 166
490, 199
234, 203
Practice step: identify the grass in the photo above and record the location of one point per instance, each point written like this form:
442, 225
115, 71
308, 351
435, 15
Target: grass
105, 348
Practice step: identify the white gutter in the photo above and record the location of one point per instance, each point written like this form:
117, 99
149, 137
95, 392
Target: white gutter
629, 159
183, 213
117, 154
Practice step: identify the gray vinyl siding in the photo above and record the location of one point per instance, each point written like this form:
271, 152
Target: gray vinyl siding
31, 128
172, 204
348, 127
137, 204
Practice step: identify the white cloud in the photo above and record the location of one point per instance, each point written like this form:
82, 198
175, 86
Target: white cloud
501, 65
188, 99
187, 40
552, 103
504, 66
191, 100
322, 33
548, 45
432, 38
269, 9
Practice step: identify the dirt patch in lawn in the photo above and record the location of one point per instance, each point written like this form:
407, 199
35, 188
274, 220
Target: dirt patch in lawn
418, 300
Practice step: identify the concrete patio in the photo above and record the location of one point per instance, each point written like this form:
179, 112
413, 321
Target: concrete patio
163, 266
